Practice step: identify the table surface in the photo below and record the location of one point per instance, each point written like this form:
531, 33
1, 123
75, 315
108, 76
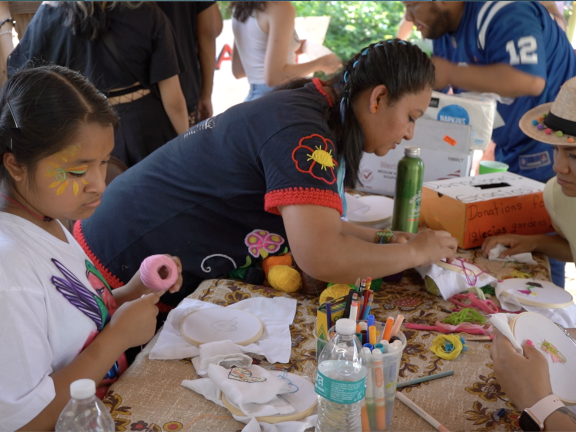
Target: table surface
149, 397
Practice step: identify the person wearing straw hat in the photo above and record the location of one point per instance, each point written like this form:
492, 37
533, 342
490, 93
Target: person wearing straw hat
555, 124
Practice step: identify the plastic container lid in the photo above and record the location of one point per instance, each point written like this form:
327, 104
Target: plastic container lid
83, 389
346, 326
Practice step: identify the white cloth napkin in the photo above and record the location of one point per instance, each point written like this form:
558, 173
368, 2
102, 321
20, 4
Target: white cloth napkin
502, 322
566, 317
450, 282
495, 252
208, 389
354, 206
253, 390
275, 343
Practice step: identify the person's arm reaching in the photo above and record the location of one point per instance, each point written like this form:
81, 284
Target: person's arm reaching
324, 248
174, 103
209, 27
281, 31
555, 246
501, 79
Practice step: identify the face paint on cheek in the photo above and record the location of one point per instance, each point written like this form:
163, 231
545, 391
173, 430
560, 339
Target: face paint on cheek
61, 175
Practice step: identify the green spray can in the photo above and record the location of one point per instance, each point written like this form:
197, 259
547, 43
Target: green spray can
408, 191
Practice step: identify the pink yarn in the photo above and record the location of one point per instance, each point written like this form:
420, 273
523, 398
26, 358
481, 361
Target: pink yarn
441, 327
150, 268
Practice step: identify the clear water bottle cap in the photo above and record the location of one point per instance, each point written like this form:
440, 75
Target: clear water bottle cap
83, 389
411, 151
346, 326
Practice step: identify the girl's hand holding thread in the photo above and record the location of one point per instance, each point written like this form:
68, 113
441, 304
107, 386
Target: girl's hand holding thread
134, 323
430, 246
516, 243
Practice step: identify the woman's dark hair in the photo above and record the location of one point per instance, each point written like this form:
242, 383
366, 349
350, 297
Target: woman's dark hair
242, 10
401, 66
41, 110
89, 19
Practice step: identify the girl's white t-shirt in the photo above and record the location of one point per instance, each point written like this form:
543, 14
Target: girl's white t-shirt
49, 312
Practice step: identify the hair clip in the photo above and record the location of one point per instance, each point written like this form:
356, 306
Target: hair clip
345, 77
13, 116
355, 63
378, 44
402, 42
365, 51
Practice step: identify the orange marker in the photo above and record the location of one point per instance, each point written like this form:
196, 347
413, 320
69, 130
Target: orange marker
372, 335
388, 329
397, 324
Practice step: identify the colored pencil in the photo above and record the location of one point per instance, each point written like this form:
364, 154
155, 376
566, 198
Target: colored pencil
365, 304
368, 283
388, 329
368, 306
357, 284
348, 302
435, 423
397, 324
426, 378
328, 315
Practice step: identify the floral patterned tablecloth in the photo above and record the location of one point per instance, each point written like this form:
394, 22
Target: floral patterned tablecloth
149, 397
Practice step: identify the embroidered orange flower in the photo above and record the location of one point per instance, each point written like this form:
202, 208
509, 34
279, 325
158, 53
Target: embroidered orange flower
315, 156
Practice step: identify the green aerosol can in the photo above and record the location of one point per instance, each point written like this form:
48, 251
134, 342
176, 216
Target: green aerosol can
408, 191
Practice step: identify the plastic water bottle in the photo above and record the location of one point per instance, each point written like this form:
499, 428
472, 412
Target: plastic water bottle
85, 412
341, 381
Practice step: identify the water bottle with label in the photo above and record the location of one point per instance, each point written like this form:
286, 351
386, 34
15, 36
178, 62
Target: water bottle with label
341, 381
85, 412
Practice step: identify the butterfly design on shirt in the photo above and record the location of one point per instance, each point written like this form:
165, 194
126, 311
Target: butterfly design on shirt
244, 375
89, 303
225, 325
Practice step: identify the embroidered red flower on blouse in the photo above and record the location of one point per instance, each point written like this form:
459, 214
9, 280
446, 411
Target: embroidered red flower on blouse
315, 156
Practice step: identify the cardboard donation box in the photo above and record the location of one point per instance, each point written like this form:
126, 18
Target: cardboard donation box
474, 208
444, 149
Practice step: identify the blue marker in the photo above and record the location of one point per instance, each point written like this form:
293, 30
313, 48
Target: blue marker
367, 345
380, 347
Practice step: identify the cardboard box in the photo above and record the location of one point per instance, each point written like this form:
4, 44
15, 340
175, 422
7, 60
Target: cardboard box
472, 109
474, 208
444, 149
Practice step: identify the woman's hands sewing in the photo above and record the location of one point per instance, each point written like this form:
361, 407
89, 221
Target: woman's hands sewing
524, 378
516, 243
430, 246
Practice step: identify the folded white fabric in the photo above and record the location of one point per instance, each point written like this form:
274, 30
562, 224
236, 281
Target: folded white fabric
253, 390
276, 315
525, 258
450, 282
223, 353
208, 389
502, 322
566, 317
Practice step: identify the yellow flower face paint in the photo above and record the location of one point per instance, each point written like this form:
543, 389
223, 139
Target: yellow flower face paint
60, 174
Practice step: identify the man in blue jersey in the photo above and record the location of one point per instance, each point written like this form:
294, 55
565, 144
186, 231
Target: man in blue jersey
514, 49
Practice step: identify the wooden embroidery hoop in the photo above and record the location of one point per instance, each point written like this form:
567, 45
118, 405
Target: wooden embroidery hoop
196, 328
557, 297
301, 382
537, 328
458, 269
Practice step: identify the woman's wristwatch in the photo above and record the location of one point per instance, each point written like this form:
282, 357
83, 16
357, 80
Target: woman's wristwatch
532, 419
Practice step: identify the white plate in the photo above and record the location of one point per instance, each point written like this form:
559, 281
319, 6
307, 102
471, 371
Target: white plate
537, 328
542, 294
381, 208
218, 324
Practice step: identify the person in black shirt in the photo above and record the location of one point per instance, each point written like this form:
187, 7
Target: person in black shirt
268, 176
142, 83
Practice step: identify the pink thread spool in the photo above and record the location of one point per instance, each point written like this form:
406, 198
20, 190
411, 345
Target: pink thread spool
150, 272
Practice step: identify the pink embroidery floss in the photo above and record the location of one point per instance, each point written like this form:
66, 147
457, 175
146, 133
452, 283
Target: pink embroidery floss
150, 272
557, 356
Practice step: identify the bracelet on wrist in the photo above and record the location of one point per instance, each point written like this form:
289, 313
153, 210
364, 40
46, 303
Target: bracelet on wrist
384, 236
10, 20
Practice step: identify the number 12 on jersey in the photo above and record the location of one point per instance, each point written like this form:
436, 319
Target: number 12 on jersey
526, 52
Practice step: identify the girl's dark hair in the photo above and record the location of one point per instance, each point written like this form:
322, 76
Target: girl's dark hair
401, 66
242, 10
89, 19
41, 110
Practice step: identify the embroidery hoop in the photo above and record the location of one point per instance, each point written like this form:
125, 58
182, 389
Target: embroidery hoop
198, 328
304, 401
537, 328
471, 269
549, 296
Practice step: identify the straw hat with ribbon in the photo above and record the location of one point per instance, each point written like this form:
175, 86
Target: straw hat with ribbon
554, 122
